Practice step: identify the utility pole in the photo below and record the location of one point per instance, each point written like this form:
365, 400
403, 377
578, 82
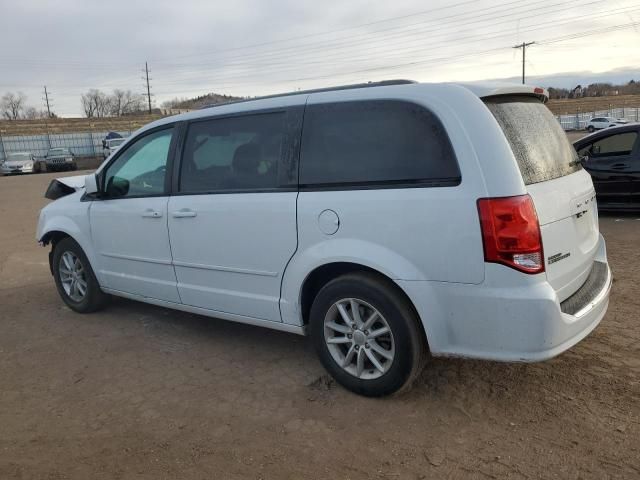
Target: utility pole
524, 49
146, 70
46, 99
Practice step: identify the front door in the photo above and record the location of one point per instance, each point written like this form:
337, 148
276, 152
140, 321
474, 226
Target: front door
129, 221
610, 163
232, 222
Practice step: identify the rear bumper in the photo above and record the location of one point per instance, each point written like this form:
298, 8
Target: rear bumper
510, 316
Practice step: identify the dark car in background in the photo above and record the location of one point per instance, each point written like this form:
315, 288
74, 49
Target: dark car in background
60, 158
612, 157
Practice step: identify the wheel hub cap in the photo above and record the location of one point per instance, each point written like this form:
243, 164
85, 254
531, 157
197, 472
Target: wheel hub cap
359, 338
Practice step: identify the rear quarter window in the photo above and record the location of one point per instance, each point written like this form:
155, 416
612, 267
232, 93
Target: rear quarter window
537, 140
375, 142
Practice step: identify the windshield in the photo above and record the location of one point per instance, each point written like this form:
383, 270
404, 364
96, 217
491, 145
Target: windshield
537, 140
116, 142
17, 157
58, 151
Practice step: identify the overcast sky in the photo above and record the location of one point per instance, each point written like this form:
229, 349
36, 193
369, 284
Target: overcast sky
251, 47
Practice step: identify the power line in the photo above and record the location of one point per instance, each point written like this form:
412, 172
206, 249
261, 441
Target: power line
438, 60
328, 32
393, 50
524, 49
532, 9
435, 46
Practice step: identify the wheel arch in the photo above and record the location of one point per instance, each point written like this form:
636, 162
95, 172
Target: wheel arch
57, 228
53, 237
323, 274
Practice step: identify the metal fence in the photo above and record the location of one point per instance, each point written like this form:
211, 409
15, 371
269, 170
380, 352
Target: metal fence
579, 120
88, 144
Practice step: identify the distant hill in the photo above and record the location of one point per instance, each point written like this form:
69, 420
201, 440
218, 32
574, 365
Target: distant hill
199, 102
571, 79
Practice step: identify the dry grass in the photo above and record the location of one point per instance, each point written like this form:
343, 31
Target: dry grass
591, 104
75, 125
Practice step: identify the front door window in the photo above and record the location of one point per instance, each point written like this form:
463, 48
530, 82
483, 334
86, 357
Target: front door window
141, 169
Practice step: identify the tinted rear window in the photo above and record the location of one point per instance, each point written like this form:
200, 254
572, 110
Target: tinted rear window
538, 142
375, 142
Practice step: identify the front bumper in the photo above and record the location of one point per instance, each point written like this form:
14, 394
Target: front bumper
60, 164
509, 317
15, 171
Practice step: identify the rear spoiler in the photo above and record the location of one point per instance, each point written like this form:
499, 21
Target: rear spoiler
496, 90
61, 187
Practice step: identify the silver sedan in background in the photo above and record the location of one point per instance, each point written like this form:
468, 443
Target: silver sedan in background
18, 162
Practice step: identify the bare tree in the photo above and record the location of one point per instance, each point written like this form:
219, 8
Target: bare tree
124, 102
174, 102
95, 103
32, 113
12, 105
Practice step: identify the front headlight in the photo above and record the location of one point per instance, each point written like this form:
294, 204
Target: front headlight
28, 165
69, 159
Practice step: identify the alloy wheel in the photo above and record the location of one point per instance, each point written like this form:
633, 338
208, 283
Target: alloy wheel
359, 338
72, 276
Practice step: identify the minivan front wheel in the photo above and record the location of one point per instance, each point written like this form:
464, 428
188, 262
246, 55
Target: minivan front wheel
367, 335
74, 277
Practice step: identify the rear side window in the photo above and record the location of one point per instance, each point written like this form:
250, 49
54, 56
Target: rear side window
375, 142
233, 153
538, 142
614, 145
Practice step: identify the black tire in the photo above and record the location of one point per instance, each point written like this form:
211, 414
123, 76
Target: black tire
94, 298
591, 129
411, 350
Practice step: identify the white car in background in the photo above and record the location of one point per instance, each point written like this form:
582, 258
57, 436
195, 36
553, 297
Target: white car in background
109, 146
18, 162
386, 221
598, 123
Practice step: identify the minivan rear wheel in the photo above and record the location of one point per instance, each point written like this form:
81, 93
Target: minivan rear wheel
74, 277
367, 335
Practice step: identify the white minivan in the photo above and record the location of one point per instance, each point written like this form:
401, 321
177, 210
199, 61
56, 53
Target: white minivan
389, 221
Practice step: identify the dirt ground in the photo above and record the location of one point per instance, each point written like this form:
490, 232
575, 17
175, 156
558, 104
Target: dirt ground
142, 392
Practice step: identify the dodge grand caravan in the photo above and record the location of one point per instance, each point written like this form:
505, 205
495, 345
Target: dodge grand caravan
388, 221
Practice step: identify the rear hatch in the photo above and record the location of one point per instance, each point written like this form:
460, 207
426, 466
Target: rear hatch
561, 190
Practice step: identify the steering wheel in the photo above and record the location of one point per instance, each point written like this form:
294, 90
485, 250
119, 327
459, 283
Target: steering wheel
150, 179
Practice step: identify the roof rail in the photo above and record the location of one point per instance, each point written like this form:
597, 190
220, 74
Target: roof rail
382, 83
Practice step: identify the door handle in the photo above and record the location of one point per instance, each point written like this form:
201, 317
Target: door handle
184, 213
619, 166
151, 214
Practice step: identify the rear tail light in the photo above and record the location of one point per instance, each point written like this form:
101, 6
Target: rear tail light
511, 233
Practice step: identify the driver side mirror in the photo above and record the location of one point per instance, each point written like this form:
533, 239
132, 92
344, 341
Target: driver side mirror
91, 184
